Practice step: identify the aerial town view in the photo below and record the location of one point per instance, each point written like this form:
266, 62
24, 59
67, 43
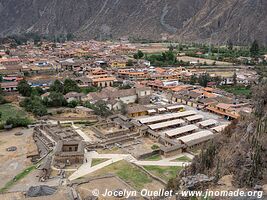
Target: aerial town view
133, 100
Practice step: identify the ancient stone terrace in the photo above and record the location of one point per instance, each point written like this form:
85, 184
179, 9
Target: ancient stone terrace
56, 133
116, 129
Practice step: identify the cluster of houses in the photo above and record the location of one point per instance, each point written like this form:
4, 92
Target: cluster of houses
104, 65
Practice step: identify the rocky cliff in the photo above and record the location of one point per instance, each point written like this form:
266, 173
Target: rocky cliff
187, 20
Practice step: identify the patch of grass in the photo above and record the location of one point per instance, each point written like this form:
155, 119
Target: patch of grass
98, 161
237, 90
154, 157
166, 173
18, 177
8, 110
134, 175
183, 159
127, 172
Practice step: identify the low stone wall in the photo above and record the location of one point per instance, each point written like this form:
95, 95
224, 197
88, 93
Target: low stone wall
147, 155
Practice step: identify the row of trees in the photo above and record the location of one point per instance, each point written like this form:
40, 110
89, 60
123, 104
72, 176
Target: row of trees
203, 80
68, 86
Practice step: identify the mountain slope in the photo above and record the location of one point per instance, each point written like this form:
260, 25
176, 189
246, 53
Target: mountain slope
238, 20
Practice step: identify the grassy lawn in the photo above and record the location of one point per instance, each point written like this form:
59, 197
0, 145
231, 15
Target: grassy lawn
165, 173
237, 90
98, 161
9, 110
182, 159
154, 157
127, 172
18, 177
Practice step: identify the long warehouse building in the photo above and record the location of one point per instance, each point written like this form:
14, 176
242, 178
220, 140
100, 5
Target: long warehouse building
196, 138
173, 133
171, 123
164, 117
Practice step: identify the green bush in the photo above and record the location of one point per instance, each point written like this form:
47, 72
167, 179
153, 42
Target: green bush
72, 104
18, 122
154, 147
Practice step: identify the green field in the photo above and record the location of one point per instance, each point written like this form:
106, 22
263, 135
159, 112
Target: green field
166, 173
97, 161
9, 110
237, 90
183, 159
154, 157
134, 176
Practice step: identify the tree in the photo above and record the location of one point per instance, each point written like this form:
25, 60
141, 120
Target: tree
70, 36
193, 79
57, 86
18, 122
89, 89
36, 39
138, 55
204, 79
37, 91
70, 86
129, 62
72, 104
101, 109
56, 99
34, 105
24, 88
87, 104
230, 45
254, 49
235, 78
123, 109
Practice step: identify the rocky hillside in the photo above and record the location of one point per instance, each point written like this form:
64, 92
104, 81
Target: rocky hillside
240, 151
187, 20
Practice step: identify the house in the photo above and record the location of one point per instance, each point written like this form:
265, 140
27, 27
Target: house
118, 64
132, 75
74, 96
9, 86
83, 81
115, 97
102, 80
229, 111
10, 61
84, 111
137, 110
